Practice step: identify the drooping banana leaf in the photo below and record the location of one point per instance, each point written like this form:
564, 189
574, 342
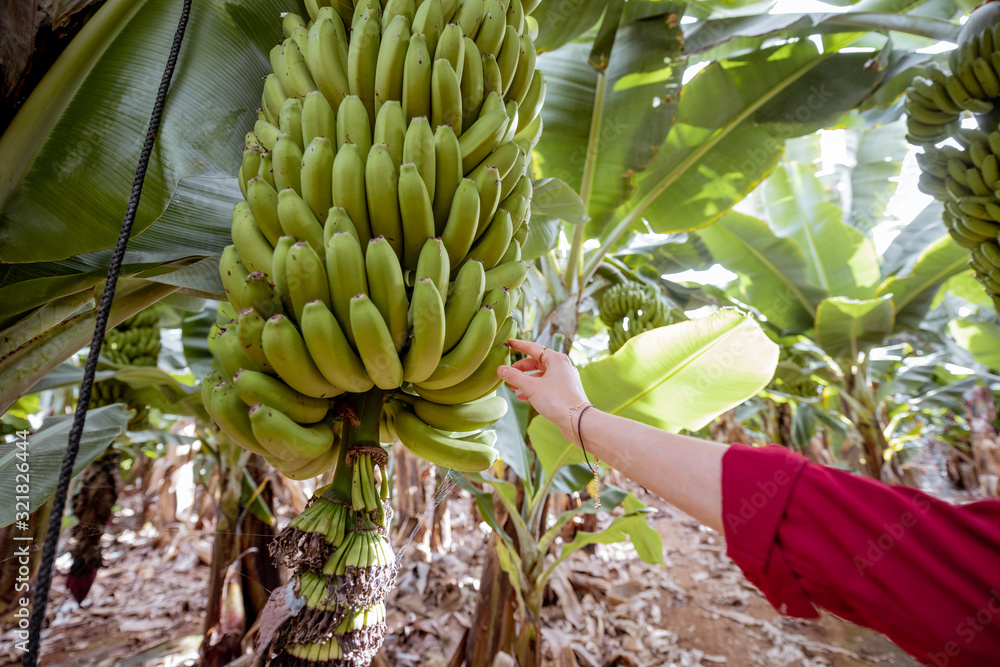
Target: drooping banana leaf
680, 376
981, 339
845, 327
913, 292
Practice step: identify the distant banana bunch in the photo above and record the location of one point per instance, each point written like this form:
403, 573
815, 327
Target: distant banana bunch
134, 342
966, 179
374, 273
630, 309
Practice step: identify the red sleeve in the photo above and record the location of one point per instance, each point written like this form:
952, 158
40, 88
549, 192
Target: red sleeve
923, 572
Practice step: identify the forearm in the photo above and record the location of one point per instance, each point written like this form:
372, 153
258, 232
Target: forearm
686, 472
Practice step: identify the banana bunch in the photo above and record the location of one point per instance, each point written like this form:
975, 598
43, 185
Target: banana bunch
134, 342
966, 178
630, 309
374, 274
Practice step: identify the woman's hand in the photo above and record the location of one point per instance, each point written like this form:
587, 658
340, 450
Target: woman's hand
548, 380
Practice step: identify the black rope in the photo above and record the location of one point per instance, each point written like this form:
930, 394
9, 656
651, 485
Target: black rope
73, 446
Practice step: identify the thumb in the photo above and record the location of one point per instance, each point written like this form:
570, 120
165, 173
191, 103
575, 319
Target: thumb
516, 378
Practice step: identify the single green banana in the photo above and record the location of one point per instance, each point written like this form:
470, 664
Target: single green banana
470, 16
464, 299
297, 219
289, 22
507, 57
291, 119
280, 260
317, 174
331, 351
512, 116
391, 61
362, 7
461, 362
510, 275
230, 414
326, 62
471, 84
287, 440
255, 387
287, 353
374, 343
429, 21
463, 218
258, 293
517, 206
515, 15
478, 141
318, 118
426, 317
314, 468
362, 59
440, 449
382, 186
338, 221
446, 96
306, 278
396, 8
503, 157
417, 213
532, 133
483, 381
349, 192
499, 300
460, 418
506, 331
417, 78
488, 184
266, 171
273, 97
433, 263
353, 126
491, 32
387, 289
230, 353
249, 328
508, 182
531, 107
287, 163
253, 248
418, 148
493, 83
266, 134
390, 129
345, 263
249, 167
263, 201
512, 254
451, 47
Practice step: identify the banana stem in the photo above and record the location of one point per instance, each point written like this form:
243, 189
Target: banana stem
363, 431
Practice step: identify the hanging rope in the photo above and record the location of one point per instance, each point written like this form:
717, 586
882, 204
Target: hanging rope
73, 446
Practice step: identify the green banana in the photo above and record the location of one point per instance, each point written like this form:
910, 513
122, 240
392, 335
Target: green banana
249, 328
263, 201
349, 192
255, 387
314, 468
433, 263
281, 249
531, 107
499, 299
464, 299
493, 83
284, 438
493, 243
483, 381
460, 418
417, 78
273, 98
362, 58
231, 355
331, 351
305, 277
440, 449
429, 21
512, 254
266, 171
387, 289
488, 184
353, 126
462, 361
463, 216
266, 134
230, 414
382, 186
291, 119
418, 148
254, 250
287, 353
491, 32
471, 84
417, 213
390, 129
374, 343
446, 96
297, 219
507, 57
286, 159
426, 316
258, 293
317, 174
346, 271
396, 8
391, 61
509, 275
326, 62
470, 16
249, 167
318, 118
338, 221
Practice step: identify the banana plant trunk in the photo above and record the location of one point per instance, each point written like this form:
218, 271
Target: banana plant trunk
863, 412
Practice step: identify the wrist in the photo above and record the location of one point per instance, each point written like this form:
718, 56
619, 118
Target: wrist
573, 421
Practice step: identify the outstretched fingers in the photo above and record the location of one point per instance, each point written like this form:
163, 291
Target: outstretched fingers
526, 346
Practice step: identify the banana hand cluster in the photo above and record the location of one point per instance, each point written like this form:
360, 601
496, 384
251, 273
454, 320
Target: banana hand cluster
134, 342
965, 178
630, 309
377, 254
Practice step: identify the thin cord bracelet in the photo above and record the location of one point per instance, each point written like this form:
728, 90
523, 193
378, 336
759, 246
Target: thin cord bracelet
593, 468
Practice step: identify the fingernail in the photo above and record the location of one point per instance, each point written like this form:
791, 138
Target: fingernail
502, 371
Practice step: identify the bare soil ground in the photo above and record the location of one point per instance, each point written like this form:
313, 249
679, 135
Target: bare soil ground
607, 608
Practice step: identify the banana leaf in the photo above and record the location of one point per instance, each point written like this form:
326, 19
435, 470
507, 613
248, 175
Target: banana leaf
43, 455
846, 327
913, 292
675, 377
981, 339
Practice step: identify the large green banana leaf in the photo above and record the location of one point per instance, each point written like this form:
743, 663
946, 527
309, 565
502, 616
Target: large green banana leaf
878, 153
845, 327
43, 454
841, 259
981, 339
774, 274
675, 377
913, 292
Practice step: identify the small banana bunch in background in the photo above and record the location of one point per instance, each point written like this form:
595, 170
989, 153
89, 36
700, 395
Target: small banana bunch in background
373, 276
134, 342
965, 177
629, 309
